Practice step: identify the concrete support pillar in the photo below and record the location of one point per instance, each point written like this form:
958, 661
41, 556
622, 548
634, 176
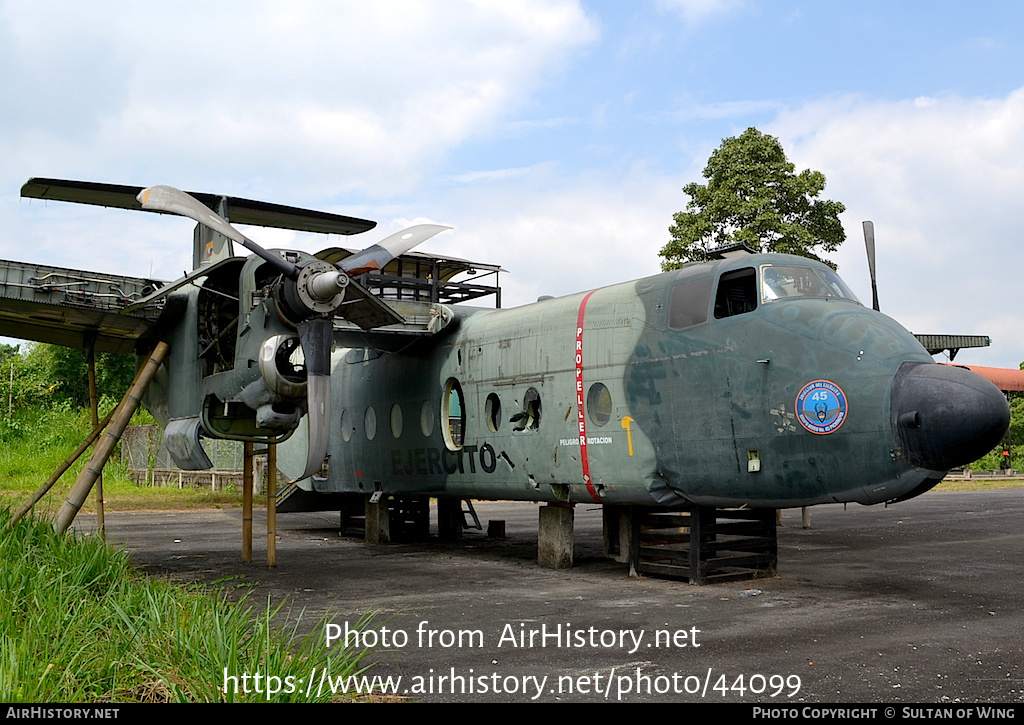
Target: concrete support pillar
449, 519
378, 520
555, 536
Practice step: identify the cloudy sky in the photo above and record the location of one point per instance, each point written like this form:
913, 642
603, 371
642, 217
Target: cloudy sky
554, 135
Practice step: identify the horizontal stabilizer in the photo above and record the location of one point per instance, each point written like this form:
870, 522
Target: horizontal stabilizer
240, 211
73, 308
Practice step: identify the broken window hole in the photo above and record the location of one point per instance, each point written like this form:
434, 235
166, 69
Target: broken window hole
492, 411
453, 415
529, 418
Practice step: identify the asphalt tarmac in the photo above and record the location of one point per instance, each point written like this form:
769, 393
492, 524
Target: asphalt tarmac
920, 602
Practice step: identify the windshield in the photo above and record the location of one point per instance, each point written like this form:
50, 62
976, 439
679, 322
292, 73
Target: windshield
780, 281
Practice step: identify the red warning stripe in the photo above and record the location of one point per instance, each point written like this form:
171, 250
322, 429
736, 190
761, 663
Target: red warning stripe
580, 407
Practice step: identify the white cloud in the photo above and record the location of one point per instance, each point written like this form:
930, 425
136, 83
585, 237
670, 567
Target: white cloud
576, 234
941, 178
305, 103
313, 104
337, 96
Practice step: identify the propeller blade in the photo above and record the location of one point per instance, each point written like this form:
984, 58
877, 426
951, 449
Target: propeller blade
378, 255
316, 335
869, 242
175, 201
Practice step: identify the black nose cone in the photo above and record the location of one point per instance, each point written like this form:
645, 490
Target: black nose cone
944, 416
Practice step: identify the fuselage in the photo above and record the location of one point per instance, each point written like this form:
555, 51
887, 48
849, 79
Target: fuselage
756, 381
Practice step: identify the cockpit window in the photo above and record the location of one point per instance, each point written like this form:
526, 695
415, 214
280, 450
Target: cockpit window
689, 303
783, 281
737, 293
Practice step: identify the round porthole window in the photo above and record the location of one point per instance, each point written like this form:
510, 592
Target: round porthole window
346, 426
599, 404
396, 420
427, 418
370, 422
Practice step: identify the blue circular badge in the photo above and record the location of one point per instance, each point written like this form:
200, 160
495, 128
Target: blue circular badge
821, 407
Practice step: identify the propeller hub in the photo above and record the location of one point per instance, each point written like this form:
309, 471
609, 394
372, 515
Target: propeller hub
320, 287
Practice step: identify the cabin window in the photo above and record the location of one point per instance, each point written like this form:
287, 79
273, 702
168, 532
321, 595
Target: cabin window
737, 293
427, 418
780, 281
396, 420
453, 415
529, 417
346, 426
689, 303
599, 404
370, 423
492, 410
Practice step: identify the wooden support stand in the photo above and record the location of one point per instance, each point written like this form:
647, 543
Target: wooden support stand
352, 517
395, 519
705, 545
449, 519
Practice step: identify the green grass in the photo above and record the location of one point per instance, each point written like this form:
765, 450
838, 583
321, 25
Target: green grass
77, 624
977, 483
36, 440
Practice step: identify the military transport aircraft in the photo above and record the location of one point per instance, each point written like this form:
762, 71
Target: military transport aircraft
752, 380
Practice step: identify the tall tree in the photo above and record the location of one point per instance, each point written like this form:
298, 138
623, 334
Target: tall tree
50, 374
754, 197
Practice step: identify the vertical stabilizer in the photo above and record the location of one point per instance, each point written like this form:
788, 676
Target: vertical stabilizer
209, 246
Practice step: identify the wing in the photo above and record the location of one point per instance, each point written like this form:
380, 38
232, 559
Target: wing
239, 211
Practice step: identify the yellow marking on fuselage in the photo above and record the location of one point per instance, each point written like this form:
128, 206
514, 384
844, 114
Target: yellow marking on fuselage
629, 434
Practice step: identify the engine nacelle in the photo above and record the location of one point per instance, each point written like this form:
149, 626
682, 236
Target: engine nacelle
279, 395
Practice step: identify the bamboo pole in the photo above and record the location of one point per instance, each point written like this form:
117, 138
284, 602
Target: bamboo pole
271, 504
129, 404
68, 462
247, 501
101, 526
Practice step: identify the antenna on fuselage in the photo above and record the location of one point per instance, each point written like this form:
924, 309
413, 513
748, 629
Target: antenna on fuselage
869, 243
